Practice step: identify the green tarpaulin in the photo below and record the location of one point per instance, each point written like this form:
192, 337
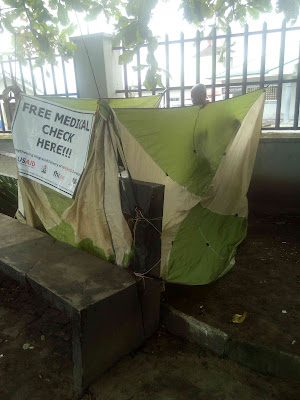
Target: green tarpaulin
203, 156
91, 104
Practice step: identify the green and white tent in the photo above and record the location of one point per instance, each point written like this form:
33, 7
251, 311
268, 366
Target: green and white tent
203, 156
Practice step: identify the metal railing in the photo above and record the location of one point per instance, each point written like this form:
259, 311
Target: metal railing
54, 81
34, 80
228, 84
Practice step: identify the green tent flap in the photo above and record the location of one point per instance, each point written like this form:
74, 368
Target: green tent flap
204, 238
91, 104
188, 143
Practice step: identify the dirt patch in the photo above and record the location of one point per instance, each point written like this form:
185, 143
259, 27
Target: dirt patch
168, 368
165, 368
43, 370
265, 282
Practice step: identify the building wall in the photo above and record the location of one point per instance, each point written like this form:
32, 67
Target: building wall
275, 184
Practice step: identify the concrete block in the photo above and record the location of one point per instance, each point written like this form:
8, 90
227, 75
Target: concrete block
13, 232
105, 332
110, 316
149, 296
76, 278
150, 200
21, 247
193, 330
264, 359
17, 260
102, 302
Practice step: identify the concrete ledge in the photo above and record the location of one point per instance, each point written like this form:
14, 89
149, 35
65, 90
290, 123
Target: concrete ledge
75, 280
259, 358
193, 330
110, 316
21, 247
264, 359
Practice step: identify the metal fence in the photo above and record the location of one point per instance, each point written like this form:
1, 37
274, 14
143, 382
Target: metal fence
48, 80
231, 85
283, 89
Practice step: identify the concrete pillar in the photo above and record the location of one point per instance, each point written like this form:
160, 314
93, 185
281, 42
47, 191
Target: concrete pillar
103, 65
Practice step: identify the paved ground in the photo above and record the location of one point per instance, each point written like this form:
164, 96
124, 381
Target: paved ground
165, 368
265, 282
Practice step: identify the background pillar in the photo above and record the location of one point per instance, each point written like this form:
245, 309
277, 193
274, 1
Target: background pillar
104, 64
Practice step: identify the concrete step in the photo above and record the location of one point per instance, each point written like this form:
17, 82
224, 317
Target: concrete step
104, 303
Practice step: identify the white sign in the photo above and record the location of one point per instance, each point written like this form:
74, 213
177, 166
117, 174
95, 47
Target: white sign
51, 143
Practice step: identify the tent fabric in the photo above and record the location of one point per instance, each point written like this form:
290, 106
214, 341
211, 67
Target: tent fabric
91, 104
200, 180
203, 156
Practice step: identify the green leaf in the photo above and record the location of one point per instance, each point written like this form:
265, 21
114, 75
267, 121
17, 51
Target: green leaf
126, 57
254, 12
62, 14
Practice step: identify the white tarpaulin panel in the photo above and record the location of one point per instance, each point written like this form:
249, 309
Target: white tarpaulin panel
51, 143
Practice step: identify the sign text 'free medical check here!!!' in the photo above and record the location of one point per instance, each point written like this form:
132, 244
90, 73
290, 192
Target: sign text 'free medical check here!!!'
51, 143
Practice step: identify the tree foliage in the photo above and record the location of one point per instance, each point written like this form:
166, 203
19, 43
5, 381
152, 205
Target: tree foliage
42, 27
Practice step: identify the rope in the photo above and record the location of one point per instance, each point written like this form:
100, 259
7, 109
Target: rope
142, 275
147, 220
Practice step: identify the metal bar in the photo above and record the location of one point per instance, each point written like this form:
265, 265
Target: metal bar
8, 103
227, 79
125, 76
282, 128
43, 79
254, 83
76, 79
11, 71
2, 119
182, 68
214, 65
197, 56
168, 71
245, 63
62, 95
125, 80
280, 75
3, 75
296, 114
22, 78
294, 28
32, 77
138, 63
263, 55
65, 77
53, 79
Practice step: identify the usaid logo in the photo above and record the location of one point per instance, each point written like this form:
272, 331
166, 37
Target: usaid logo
59, 176
26, 161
